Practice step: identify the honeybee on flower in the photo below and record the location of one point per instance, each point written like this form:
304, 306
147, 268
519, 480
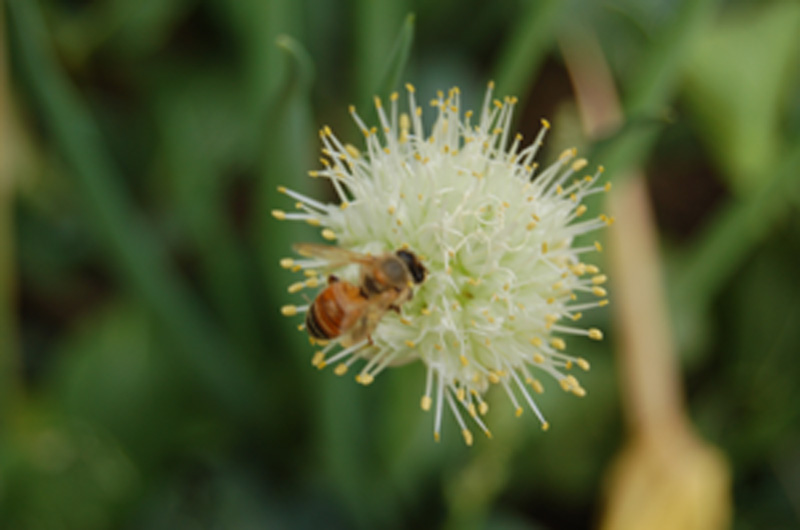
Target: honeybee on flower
503, 282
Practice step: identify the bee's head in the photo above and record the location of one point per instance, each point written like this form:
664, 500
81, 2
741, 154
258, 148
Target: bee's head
414, 265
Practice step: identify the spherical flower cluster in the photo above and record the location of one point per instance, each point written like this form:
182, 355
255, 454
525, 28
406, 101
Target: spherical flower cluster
496, 236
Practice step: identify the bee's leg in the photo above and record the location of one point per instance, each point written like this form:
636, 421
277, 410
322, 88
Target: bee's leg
369, 340
395, 308
332, 279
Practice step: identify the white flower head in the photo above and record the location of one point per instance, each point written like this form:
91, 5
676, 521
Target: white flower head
505, 285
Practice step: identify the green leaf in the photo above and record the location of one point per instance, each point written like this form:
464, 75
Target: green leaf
134, 252
374, 28
651, 88
737, 85
525, 49
396, 64
728, 240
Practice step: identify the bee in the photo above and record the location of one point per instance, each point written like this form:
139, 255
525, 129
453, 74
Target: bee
350, 311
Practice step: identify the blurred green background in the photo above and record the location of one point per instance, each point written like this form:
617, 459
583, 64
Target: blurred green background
147, 379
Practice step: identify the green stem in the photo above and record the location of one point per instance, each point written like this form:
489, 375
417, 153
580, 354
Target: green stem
737, 227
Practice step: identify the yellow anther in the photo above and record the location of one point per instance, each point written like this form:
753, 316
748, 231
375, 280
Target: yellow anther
289, 310
598, 246
436, 436
579, 391
352, 150
545, 123
296, 287
564, 384
577, 316
467, 436
313, 221
493, 378
313, 173
592, 269
318, 358
472, 410
583, 363
365, 378
536, 341
328, 234
579, 164
322, 365
464, 360
287, 263
340, 369
409, 343
580, 210
558, 343
602, 303
483, 408
425, 403
599, 279
518, 412
537, 386
607, 187
279, 214
599, 291
461, 394
544, 247
595, 334
545, 426
538, 358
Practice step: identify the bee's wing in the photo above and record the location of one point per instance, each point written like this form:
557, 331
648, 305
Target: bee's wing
335, 256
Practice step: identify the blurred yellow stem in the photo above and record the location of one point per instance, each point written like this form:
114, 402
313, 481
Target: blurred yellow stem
665, 477
9, 363
650, 377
